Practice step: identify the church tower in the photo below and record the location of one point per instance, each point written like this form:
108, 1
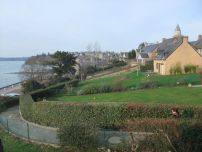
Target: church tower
177, 31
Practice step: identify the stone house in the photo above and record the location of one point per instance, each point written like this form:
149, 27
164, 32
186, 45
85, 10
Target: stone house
173, 51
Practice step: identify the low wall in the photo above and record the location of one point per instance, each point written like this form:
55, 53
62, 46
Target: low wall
29, 131
47, 135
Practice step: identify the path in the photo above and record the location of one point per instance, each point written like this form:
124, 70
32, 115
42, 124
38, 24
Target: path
15, 88
12, 122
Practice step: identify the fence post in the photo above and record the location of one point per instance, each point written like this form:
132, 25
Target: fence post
7, 125
28, 132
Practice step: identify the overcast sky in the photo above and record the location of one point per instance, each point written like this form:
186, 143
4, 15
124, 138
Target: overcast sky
30, 27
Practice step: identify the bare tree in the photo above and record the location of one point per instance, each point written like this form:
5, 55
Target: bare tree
36, 68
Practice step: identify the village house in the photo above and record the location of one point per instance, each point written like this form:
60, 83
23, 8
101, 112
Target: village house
175, 51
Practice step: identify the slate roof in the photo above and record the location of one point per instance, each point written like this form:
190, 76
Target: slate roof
149, 48
144, 55
197, 44
167, 47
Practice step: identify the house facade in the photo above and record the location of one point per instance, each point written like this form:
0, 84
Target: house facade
181, 54
173, 51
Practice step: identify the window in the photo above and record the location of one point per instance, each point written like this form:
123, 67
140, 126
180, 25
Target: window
156, 65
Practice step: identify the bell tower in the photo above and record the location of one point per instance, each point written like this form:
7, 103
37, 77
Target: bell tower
177, 31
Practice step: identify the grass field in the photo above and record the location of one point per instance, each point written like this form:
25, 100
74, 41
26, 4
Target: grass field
13, 144
167, 93
175, 95
131, 79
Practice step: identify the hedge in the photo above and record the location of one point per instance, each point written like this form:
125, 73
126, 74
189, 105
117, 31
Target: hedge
54, 89
102, 115
79, 123
7, 102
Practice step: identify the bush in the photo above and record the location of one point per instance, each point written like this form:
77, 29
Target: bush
77, 135
147, 67
105, 88
31, 85
92, 89
190, 139
117, 63
154, 143
52, 90
79, 122
188, 113
57, 79
7, 102
118, 85
190, 68
148, 85
176, 69
102, 115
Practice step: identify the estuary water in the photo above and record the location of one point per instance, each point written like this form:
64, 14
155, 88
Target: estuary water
8, 70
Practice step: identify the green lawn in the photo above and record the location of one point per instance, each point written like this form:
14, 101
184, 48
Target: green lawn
131, 79
175, 95
13, 144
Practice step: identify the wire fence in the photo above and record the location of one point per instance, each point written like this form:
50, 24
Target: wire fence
47, 135
29, 131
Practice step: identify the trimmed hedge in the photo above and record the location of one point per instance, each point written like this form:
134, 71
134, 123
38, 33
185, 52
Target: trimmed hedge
103, 115
79, 123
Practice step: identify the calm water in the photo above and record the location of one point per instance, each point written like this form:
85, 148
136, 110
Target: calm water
8, 67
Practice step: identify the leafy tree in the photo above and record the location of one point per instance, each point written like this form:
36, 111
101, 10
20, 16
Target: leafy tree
31, 85
63, 64
132, 54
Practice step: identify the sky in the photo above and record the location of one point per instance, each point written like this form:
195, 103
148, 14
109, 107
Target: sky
30, 27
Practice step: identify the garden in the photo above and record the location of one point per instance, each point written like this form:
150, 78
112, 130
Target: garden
128, 102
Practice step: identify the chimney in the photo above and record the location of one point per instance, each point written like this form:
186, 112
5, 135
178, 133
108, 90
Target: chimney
185, 39
163, 39
199, 37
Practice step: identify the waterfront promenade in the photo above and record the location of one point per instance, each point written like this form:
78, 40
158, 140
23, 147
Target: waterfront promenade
11, 89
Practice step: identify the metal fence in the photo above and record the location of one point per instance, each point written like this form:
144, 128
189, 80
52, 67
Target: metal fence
37, 133
29, 131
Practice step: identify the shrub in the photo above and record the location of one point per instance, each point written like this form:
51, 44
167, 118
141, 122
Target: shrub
117, 63
92, 89
190, 68
105, 88
148, 85
188, 113
77, 135
171, 71
118, 85
176, 69
103, 115
31, 85
57, 79
154, 143
147, 67
190, 138
52, 90
7, 102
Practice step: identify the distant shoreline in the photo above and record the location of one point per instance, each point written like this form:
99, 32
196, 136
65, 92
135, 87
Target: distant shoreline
14, 59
